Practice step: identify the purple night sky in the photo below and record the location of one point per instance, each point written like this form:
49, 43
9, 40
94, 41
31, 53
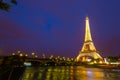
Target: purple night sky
57, 27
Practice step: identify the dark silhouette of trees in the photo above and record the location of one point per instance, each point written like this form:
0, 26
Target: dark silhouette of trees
6, 6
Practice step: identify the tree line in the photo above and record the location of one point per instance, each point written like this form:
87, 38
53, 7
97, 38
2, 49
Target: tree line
5, 5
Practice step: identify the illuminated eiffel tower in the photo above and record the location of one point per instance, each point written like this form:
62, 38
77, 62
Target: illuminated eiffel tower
88, 50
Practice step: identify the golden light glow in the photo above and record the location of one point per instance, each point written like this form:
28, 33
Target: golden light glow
88, 48
26, 55
21, 54
87, 31
51, 56
95, 62
100, 62
65, 73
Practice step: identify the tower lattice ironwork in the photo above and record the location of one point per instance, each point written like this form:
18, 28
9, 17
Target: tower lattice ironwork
88, 50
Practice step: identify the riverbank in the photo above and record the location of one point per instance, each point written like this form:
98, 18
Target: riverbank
11, 73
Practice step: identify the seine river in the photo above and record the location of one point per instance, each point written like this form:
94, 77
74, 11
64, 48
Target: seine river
70, 73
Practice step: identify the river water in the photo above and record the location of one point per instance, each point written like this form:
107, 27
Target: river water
70, 73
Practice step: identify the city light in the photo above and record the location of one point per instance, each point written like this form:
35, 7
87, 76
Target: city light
100, 62
33, 54
26, 55
89, 60
36, 56
44, 56
51, 56
21, 54
13, 54
95, 62
114, 62
27, 64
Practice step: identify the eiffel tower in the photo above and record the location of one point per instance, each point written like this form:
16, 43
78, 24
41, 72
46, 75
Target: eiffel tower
88, 50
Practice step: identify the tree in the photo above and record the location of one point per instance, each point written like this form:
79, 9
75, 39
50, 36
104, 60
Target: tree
6, 6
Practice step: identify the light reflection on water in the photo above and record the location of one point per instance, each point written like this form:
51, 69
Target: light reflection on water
70, 73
